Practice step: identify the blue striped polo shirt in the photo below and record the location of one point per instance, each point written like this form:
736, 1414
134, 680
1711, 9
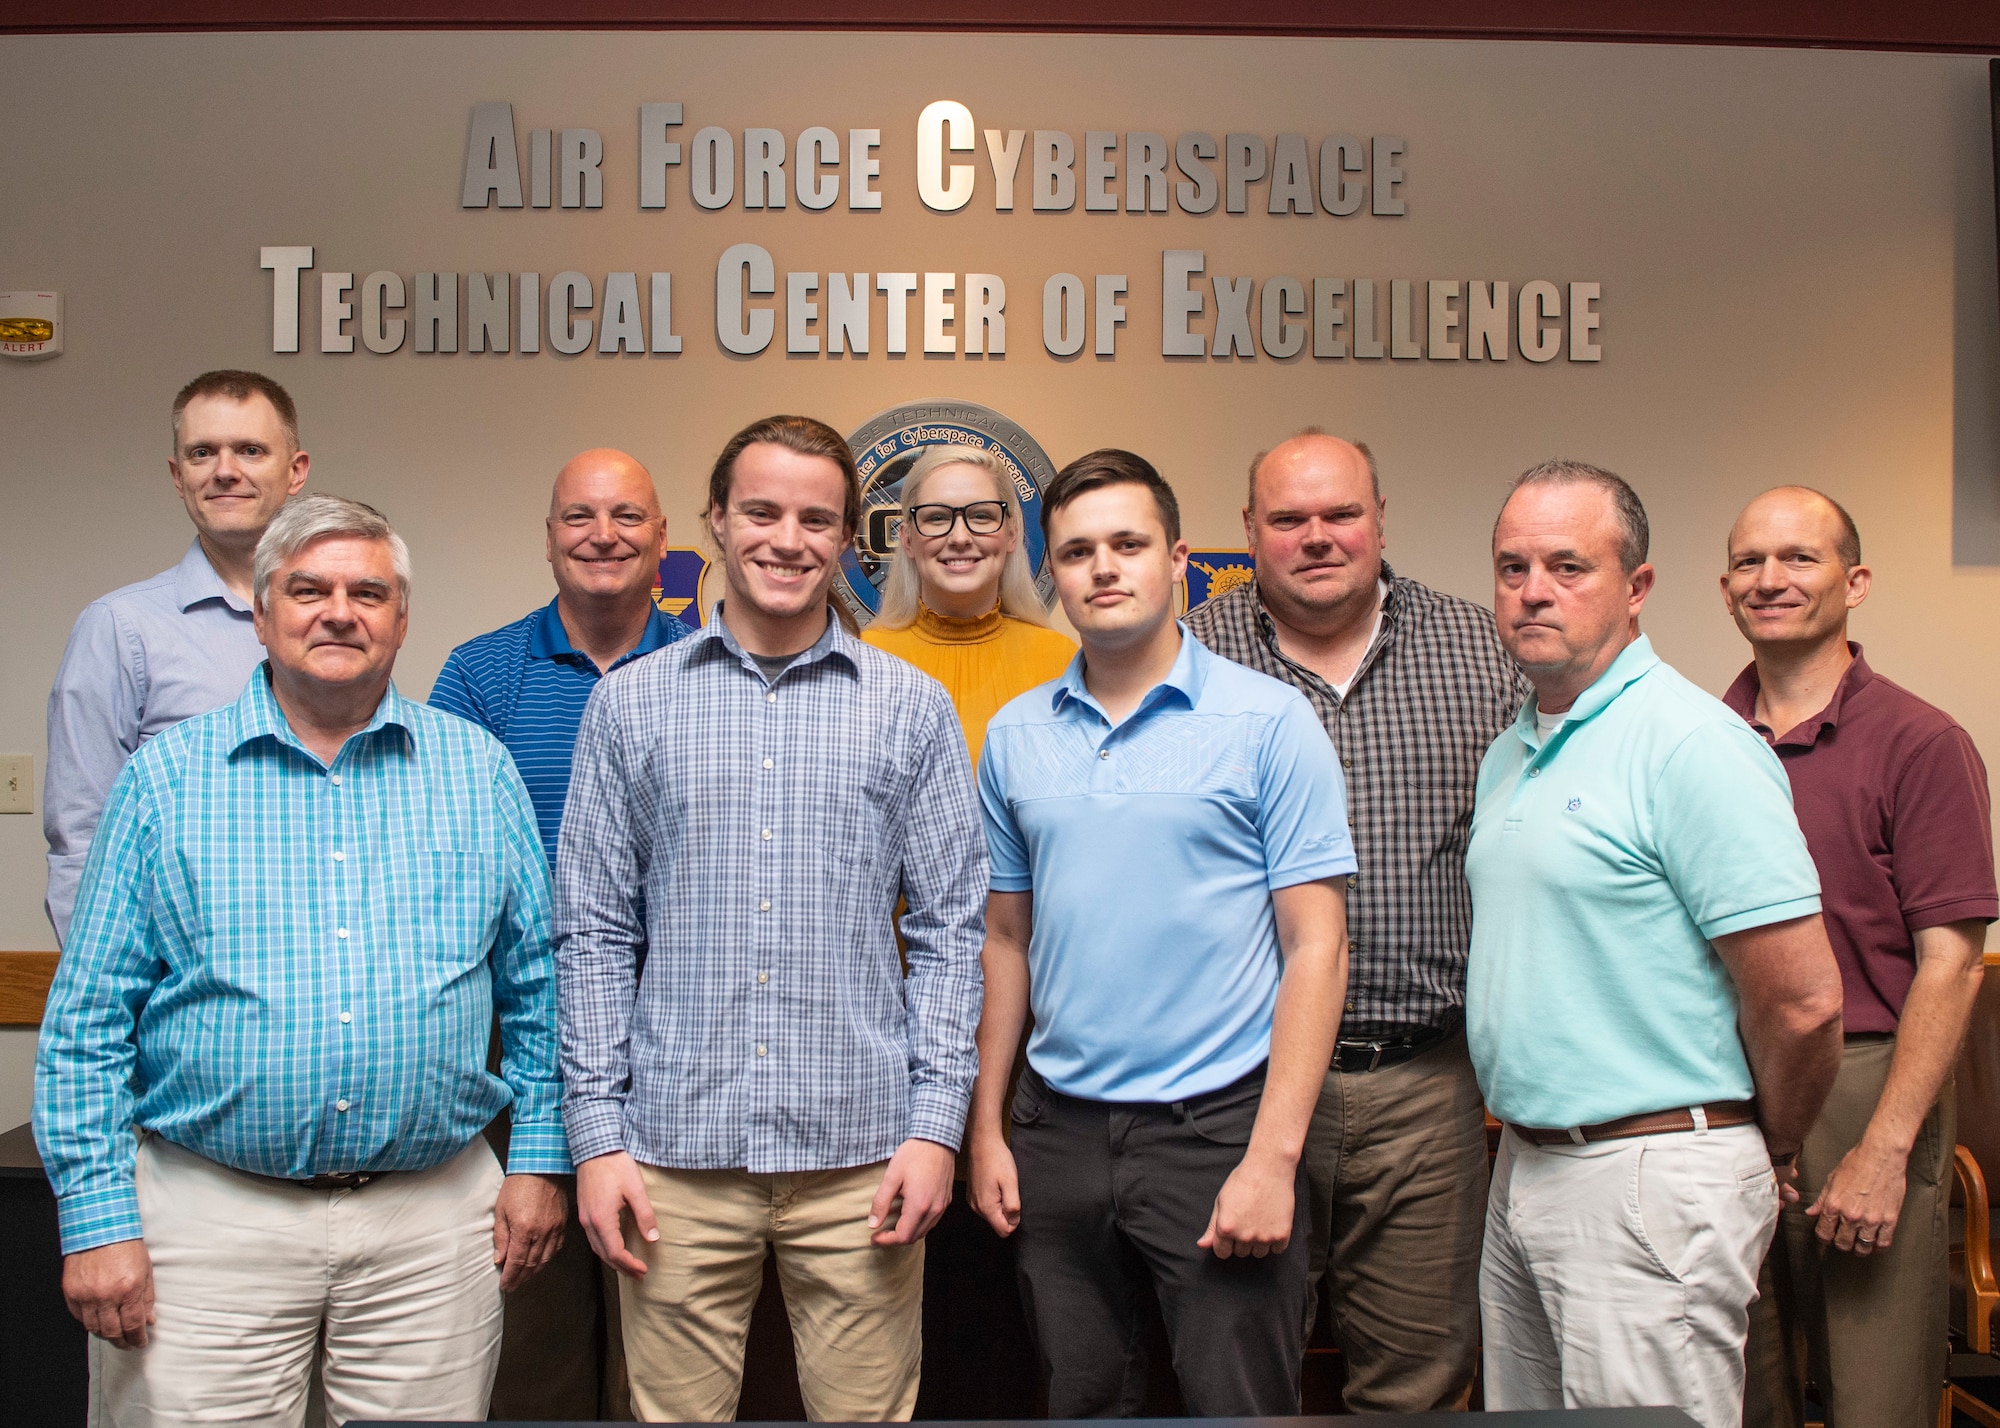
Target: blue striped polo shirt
527, 685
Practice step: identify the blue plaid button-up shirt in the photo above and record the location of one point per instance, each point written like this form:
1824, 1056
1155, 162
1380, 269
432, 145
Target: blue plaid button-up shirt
726, 885
292, 968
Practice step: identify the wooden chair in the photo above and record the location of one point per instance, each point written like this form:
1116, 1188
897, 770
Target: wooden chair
1976, 1292
1982, 1293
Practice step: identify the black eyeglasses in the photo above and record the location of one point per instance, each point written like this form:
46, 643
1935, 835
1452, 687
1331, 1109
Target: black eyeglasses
981, 518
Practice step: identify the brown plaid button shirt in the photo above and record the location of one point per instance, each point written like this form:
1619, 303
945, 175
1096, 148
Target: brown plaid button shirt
1432, 692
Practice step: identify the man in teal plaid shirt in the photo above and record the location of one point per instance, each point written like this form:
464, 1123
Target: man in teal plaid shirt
262, 1075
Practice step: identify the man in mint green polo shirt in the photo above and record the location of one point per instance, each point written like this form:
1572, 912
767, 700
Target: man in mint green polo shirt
1652, 1004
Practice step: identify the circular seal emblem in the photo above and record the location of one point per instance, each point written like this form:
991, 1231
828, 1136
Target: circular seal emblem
888, 444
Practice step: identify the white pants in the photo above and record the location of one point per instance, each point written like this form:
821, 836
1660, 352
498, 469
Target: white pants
391, 1288
1621, 1273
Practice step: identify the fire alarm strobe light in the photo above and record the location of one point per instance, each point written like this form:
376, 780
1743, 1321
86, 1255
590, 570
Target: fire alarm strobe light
30, 325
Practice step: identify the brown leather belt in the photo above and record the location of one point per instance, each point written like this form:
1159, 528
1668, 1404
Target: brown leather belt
1718, 1114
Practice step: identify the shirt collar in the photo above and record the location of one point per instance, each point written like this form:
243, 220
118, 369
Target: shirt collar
258, 716
195, 580
834, 643
1186, 678
547, 639
1742, 697
1633, 663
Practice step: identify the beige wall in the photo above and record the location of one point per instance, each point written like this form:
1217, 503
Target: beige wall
1796, 253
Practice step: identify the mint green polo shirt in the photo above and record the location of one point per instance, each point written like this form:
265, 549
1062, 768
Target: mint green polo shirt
1603, 862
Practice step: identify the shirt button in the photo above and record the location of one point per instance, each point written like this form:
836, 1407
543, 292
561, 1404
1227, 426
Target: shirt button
770, 696
763, 977
760, 1052
336, 780
1347, 763
340, 1105
1534, 773
338, 856
1104, 753
341, 933
346, 1017
767, 835
767, 763
764, 906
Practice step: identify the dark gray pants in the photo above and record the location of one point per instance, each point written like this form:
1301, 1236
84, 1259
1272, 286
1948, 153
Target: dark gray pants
1113, 1198
1869, 1331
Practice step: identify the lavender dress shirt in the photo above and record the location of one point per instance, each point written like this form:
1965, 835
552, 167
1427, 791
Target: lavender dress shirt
140, 660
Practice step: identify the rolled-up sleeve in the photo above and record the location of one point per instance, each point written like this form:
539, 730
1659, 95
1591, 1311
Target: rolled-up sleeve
944, 882
600, 934
85, 1064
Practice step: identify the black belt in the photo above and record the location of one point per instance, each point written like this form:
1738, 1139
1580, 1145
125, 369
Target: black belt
339, 1180
1373, 1054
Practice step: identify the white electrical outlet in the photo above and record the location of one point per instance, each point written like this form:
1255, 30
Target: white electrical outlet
17, 783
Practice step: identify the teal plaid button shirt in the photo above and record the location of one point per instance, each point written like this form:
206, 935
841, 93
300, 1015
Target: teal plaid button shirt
292, 968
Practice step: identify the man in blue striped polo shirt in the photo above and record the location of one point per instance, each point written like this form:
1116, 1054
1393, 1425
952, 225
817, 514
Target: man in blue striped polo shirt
527, 683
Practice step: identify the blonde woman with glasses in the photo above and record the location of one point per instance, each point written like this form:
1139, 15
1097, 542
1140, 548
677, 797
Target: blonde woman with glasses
959, 602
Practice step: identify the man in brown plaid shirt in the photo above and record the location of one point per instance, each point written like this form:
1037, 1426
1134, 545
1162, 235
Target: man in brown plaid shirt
1412, 686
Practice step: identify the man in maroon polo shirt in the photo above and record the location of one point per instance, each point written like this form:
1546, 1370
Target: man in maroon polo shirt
1893, 801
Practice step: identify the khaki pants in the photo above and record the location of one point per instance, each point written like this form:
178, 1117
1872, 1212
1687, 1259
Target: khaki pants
390, 1290
856, 1308
1619, 1274
1870, 1332
1396, 1165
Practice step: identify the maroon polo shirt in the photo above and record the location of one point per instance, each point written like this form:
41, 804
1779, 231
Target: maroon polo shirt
1892, 798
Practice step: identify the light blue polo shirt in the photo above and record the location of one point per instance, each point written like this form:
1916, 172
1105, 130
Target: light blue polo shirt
1152, 849
1602, 863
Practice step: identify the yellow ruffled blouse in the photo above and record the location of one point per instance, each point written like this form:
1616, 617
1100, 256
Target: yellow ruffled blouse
981, 663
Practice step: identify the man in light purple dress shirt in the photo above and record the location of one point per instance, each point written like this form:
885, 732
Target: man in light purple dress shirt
145, 657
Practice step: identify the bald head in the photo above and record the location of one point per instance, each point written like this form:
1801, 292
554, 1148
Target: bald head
606, 535
1313, 449
1805, 511
1314, 527
603, 472
1794, 572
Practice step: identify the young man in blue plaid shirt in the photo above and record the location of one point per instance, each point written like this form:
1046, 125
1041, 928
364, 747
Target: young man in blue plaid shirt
748, 1066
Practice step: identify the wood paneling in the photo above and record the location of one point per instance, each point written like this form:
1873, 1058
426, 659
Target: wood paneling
24, 985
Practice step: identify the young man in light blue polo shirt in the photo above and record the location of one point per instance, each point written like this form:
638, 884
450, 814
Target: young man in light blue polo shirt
1170, 847
1652, 1003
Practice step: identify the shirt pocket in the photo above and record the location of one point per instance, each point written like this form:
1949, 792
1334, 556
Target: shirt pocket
863, 799
456, 906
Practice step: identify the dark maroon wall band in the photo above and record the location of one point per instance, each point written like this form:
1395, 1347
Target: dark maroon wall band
1936, 25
